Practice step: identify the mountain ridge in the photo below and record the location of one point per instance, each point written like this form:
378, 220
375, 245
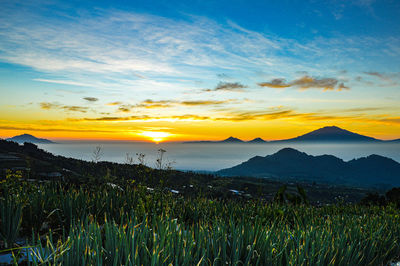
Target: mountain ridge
290, 163
228, 140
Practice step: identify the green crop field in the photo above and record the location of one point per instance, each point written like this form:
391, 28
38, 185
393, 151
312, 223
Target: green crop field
54, 224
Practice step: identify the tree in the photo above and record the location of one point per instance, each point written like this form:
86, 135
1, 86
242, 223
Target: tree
373, 199
393, 195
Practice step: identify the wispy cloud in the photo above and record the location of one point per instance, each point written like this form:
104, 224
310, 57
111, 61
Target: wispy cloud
91, 99
152, 104
71, 108
228, 86
384, 76
229, 116
307, 82
362, 109
380, 75
148, 46
52, 129
64, 82
275, 83
114, 103
272, 113
125, 108
209, 102
155, 104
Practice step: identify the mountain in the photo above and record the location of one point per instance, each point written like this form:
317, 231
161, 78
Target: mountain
228, 140
231, 140
325, 134
289, 163
257, 140
29, 138
331, 134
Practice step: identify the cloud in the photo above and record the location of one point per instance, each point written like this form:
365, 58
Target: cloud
229, 117
150, 104
362, 109
275, 83
378, 74
250, 116
228, 86
232, 117
307, 82
341, 87
272, 113
91, 99
143, 46
71, 108
363, 81
48, 106
53, 129
125, 108
64, 82
224, 76
64, 91
87, 50
193, 103
389, 79
384, 76
114, 103
153, 104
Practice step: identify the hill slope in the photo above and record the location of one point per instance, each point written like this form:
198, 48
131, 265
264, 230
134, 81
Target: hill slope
35, 163
291, 163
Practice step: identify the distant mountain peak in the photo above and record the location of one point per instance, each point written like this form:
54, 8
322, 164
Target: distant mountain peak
29, 138
24, 136
331, 129
232, 139
257, 140
288, 151
332, 133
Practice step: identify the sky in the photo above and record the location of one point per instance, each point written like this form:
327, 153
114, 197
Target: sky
198, 70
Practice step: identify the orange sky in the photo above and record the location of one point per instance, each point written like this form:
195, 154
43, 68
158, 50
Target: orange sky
191, 129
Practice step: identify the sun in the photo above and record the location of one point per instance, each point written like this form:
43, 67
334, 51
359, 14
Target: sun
156, 136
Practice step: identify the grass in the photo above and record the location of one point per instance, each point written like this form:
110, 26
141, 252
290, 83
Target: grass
65, 224
10, 215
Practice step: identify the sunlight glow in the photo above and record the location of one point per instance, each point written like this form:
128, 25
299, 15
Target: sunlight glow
156, 136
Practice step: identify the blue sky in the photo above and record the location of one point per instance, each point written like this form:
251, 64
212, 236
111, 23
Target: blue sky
152, 62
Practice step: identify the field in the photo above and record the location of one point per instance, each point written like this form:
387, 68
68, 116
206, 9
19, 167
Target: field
53, 223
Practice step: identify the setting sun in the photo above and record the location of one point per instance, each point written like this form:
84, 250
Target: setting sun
156, 136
